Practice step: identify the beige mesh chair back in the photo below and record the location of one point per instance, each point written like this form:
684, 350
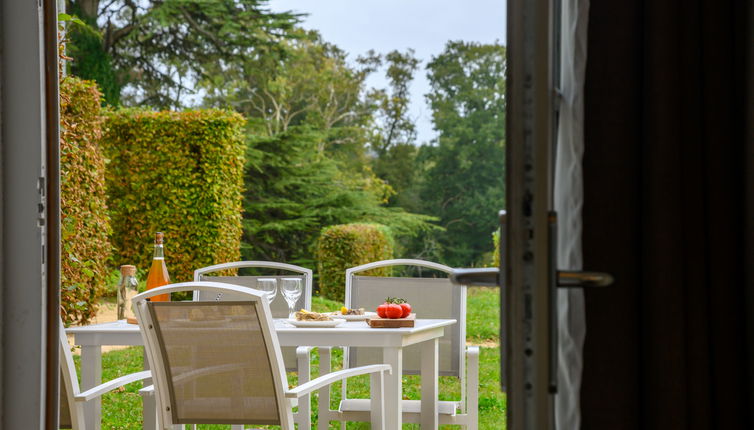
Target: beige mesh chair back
219, 362
430, 297
278, 307
72, 399
214, 362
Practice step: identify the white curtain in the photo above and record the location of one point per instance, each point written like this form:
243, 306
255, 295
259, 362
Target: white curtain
569, 196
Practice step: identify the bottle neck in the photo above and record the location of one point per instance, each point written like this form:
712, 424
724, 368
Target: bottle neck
159, 252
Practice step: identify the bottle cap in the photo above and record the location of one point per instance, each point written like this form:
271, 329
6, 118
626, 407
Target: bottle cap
158, 238
128, 270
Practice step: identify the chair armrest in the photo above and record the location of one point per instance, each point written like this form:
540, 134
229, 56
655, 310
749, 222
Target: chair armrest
147, 391
111, 385
333, 377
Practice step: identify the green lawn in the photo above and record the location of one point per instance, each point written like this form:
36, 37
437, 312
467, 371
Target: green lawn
122, 409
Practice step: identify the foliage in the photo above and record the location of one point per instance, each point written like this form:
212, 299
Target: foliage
293, 190
464, 181
311, 85
341, 247
85, 247
306, 160
157, 49
496, 249
393, 131
179, 173
90, 59
393, 125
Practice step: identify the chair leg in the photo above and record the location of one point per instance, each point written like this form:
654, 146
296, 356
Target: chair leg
323, 408
377, 403
472, 387
150, 410
304, 415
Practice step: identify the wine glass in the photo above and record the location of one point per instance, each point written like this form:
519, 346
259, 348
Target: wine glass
292, 290
269, 286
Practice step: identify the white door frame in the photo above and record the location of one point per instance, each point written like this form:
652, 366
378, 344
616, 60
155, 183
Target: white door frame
25, 193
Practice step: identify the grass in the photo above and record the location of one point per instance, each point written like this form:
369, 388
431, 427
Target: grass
122, 409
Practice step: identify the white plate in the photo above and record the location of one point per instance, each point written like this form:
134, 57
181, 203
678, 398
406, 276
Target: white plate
364, 317
333, 323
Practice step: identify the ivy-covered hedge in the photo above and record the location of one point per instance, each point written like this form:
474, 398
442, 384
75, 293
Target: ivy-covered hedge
341, 247
85, 225
180, 173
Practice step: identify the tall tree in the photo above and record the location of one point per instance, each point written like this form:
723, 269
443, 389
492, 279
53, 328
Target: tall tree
309, 120
153, 51
393, 131
294, 190
313, 86
464, 181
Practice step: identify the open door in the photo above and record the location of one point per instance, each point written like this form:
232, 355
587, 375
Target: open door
528, 271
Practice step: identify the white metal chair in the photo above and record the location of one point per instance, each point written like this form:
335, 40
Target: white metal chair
278, 307
219, 362
296, 359
431, 298
72, 399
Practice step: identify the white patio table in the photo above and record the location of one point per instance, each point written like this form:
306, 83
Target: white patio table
392, 341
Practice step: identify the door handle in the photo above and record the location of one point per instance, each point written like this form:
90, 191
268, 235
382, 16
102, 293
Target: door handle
490, 277
478, 277
579, 279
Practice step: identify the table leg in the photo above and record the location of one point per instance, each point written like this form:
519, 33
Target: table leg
304, 417
429, 376
91, 376
324, 393
393, 387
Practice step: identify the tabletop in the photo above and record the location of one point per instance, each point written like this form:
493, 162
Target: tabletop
346, 334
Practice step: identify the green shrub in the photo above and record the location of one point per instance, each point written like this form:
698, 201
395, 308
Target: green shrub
341, 247
85, 247
180, 173
495, 261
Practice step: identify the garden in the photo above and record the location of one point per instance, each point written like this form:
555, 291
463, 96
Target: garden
243, 136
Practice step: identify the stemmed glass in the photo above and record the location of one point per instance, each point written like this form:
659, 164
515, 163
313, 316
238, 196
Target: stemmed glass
292, 291
269, 286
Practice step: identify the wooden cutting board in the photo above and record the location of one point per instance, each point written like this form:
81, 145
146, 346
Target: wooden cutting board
378, 322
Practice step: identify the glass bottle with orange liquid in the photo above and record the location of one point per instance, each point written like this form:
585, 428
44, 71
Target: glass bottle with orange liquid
158, 273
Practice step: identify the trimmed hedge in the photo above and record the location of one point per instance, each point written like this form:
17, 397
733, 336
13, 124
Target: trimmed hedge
85, 226
180, 173
341, 247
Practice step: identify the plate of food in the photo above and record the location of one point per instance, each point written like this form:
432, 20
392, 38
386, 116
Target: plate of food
352, 314
306, 318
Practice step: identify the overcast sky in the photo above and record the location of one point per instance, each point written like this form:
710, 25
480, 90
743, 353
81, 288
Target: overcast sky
357, 26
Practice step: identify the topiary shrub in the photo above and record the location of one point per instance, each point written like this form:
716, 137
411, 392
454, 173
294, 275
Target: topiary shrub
180, 173
341, 247
85, 247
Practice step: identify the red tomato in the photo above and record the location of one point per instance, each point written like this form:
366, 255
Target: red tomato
406, 310
381, 310
393, 311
